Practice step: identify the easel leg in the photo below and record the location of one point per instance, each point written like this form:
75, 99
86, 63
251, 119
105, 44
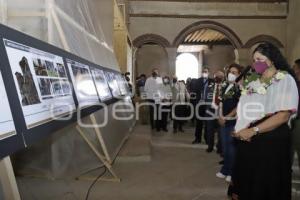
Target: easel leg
99, 136
99, 155
8, 180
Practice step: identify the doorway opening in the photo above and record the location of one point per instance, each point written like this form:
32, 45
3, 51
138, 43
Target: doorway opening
187, 66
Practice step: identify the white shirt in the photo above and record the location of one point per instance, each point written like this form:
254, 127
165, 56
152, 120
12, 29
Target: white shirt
153, 88
280, 96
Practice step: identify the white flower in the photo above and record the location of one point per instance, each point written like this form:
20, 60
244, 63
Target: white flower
244, 92
280, 76
261, 90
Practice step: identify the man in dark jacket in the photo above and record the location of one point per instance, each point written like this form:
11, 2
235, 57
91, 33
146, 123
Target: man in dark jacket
202, 91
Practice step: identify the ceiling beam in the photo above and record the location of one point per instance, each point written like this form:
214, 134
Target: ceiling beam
208, 16
222, 42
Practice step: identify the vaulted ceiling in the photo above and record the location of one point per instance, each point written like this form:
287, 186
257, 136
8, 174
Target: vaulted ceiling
206, 36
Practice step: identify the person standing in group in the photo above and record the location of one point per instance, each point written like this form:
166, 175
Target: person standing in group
213, 99
296, 123
230, 95
180, 97
166, 99
193, 97
152, 88
201, 93
140, 85
269, 100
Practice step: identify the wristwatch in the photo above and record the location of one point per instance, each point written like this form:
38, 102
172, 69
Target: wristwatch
256, 130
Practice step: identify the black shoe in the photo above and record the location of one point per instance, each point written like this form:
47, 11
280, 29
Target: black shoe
196, 142
208, 150
158, 130
181, 130
221, 162
165, 129
174, 131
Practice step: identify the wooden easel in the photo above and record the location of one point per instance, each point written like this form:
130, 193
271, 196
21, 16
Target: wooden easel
105, 159
8, 180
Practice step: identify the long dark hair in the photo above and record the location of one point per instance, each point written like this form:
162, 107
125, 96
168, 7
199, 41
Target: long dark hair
273, 53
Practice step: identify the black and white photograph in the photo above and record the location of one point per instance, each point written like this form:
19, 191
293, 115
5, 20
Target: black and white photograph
61, 70
66, 87
56, 87
45, 86
26, 84
52, 70
40, 67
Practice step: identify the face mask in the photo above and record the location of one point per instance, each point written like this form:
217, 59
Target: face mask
166, 81
154, 74
205, 75
231, 77
260, 67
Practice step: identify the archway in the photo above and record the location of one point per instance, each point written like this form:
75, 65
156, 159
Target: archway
148, 47
230, 34
212, 48
151, 39
263, 38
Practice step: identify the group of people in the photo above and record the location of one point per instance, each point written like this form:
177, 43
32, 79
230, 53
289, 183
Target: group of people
164, 95
253, 110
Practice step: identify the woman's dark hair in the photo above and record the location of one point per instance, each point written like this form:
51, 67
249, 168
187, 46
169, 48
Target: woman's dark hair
275, 56
297, 62
234, 65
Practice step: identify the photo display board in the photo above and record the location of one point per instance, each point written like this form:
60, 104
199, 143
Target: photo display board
43, 88
112, 83
83, 83
101, 84
7, 126
122, 83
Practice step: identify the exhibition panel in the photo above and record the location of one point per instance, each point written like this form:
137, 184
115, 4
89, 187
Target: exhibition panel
112, 83
7, 126
83, 83
49, 89
101, 84
42, 84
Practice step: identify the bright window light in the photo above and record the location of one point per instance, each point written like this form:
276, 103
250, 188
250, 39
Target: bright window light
187, 66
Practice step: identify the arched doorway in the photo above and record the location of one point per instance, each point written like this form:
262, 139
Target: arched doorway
150, 52
212, 49
226, 31
187, 66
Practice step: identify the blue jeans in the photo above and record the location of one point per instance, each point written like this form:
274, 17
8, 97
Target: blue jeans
228, 150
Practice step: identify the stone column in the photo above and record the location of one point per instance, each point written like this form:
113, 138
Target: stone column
172, 54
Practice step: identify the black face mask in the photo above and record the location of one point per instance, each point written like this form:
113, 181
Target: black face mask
154, 74
175, 80
218, 79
